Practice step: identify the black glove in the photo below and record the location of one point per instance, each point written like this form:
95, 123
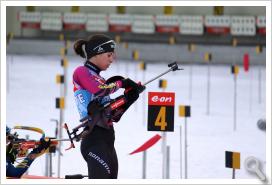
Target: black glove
128, 83
141, 88
42, 146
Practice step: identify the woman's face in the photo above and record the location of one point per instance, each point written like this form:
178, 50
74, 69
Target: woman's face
104, 60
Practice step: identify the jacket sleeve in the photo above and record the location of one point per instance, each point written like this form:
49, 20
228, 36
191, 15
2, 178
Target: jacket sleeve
19, 170
94, 84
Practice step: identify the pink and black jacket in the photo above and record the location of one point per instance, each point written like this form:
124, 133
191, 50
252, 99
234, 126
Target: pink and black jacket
89, 85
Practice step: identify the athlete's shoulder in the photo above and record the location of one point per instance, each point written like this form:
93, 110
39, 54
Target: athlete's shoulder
80, 69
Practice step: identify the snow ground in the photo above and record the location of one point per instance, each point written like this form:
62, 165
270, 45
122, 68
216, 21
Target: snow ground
31, 102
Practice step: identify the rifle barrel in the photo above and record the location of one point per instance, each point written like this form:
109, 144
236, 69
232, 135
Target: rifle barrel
60, 140
173, 67
156, 77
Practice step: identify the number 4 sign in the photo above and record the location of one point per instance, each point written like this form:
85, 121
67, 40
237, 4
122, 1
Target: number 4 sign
161, 108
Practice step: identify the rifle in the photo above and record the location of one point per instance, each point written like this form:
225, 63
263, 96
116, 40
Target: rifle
23, 145
113, 109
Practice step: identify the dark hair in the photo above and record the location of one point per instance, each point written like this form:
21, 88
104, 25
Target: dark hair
78, 47
94, 45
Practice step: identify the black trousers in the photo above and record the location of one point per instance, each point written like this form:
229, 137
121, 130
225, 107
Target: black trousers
97, 148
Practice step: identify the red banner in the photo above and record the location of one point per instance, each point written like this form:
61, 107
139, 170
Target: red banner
120, 28
218, 30
167, 29
72, 26
246, 62
32, 25
262, 31
161, 98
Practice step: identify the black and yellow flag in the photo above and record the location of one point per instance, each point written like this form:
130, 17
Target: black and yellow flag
234, 42
162, 84
232, 160
30, 8
64, 62
191, 47
234, 69
259, 49
60, 79
208, 57
117, 39
184, 111
60, 103
142, 65
9, 37
135, 55
75, 9
120, 9
218, 10
61, 37
168, 10
63, 52
172, 40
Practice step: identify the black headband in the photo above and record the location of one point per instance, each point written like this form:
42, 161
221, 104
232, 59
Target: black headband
92, 49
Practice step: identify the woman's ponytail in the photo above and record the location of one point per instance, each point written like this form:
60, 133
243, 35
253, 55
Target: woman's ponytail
78, 47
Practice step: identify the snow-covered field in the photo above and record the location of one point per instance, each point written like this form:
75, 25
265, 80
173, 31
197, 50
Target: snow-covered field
32, 90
